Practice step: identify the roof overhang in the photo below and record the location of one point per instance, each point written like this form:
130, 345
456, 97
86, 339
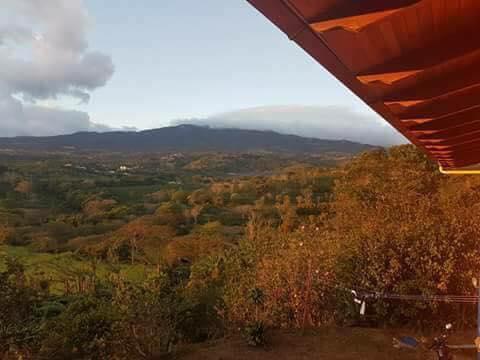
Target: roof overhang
415, 62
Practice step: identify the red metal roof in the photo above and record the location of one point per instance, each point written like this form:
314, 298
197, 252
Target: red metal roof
415, 62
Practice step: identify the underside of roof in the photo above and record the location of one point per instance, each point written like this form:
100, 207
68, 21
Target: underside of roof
415, 62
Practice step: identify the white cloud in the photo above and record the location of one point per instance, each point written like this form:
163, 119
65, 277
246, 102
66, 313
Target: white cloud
44, 55
325, 122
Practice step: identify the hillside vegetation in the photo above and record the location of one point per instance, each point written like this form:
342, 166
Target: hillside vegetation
111, 257
186, 138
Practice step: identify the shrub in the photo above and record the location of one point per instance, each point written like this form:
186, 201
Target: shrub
19, 327
85, 330
255, 333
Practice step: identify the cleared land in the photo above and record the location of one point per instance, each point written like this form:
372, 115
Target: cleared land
329, 343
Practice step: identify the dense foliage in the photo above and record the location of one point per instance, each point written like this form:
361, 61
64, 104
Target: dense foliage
132, 265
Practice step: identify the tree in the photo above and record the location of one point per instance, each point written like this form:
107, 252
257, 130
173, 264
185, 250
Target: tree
403, 228
136, 232
3, 169
180, 196
86, 329
6, 233
294, 270
170, 214
199, 197
96, 207
195, 211
19, 328
24, 187
288, 213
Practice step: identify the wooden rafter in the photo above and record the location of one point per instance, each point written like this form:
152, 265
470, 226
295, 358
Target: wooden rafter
415, 62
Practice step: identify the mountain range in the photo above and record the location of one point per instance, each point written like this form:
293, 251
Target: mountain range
184, 138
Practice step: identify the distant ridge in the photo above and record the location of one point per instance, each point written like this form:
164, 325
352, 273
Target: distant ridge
184, 138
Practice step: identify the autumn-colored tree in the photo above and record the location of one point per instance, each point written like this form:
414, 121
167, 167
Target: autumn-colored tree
294, 270
403, 228
95, 207
160, 196
135, 232
196, 211
24, 187
5, 233
199, 197
192, 247
137, 241
288, 213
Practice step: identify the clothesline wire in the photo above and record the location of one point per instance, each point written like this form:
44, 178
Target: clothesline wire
366, 294
361, 290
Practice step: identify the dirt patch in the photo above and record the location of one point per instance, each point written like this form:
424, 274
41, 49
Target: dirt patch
326, 344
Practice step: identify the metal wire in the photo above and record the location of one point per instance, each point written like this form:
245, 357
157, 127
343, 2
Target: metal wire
458, 299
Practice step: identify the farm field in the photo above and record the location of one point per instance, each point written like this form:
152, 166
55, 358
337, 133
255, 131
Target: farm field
67, 265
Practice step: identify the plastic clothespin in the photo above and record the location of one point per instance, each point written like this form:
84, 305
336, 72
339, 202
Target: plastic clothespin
361, 302
356, 298
363, 308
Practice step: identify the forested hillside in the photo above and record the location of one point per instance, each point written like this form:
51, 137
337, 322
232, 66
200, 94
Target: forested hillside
184, 138
134, 257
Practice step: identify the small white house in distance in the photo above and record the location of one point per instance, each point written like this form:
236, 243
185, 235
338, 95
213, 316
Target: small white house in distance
123, 168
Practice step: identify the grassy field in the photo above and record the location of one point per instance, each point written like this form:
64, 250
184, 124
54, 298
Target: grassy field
67, 265
325, 344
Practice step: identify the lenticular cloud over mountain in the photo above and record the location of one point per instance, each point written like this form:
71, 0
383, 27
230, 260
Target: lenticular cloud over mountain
44, 57
324, 122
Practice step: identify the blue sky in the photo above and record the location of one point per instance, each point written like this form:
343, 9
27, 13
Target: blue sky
178, 59
91, 65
